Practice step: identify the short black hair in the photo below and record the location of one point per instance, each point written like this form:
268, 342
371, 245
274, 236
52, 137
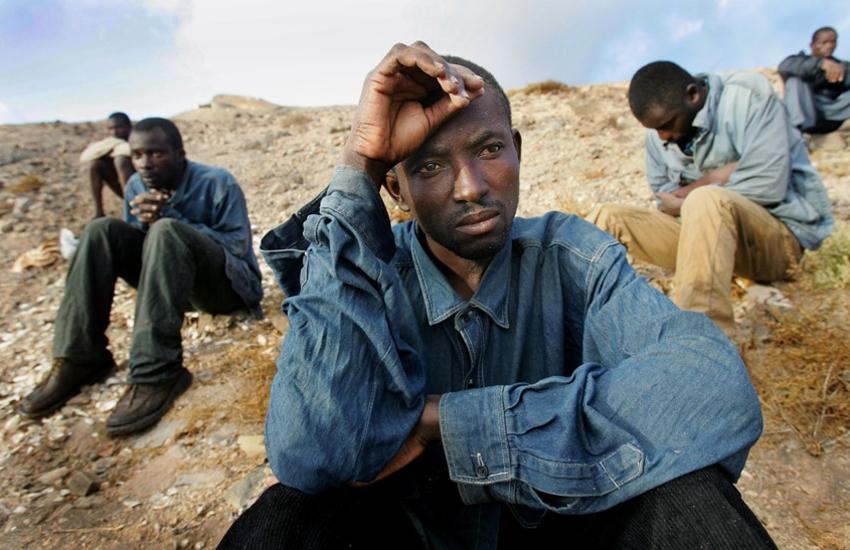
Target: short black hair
122, 117
490, 82
172, 134
660, 84
822, 30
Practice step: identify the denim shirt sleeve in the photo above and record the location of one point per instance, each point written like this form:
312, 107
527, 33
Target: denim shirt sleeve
757, 126
350, 381
663, 393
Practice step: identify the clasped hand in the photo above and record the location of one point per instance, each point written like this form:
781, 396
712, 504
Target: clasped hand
147, 207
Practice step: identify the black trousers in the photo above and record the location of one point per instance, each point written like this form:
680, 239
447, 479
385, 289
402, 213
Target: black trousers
699, 510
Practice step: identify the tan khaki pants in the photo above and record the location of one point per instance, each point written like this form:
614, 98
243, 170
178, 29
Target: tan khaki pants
719, 233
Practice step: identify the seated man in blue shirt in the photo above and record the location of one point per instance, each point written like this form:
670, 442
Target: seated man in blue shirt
186, 242
817, 86
475, 380
736, 191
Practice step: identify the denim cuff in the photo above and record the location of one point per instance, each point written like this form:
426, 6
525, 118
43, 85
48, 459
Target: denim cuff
355, 200
472, 426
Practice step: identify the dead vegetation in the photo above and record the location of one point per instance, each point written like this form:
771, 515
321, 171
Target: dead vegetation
546, 87
829, 266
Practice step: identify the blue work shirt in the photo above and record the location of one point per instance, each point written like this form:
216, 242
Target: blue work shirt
210, 200
743, 120
568, 383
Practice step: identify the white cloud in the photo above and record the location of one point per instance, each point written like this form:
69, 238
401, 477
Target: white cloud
679, 27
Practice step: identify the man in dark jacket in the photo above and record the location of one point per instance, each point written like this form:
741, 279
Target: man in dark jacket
817, 86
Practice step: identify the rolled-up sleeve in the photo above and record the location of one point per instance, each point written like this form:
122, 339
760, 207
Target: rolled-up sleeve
663, 393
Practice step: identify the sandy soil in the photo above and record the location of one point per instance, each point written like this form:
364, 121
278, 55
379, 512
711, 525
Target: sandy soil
182, 483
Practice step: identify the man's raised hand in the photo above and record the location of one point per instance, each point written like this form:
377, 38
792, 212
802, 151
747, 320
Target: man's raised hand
392, 120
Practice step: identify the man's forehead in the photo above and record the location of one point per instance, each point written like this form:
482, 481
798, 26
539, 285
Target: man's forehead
483, 115
658, 116
148, 138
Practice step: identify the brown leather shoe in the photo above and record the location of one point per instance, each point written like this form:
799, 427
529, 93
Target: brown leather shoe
64, 381
142, 405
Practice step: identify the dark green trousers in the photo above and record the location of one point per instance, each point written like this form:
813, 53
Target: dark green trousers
172, 265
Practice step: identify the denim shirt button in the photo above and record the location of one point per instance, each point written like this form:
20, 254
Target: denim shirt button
481, 469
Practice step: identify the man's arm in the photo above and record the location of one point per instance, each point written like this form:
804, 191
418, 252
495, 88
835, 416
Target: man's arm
757, 124
348, 393
806, 67
665, 394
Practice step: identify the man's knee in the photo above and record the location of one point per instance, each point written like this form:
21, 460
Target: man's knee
706, 200
102, 228
607, 217
165, 229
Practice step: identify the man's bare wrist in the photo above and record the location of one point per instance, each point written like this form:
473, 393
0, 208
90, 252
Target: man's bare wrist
376, 170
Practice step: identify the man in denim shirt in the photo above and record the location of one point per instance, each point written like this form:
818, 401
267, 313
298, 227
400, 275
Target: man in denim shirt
736, 190
471, 380
186, 242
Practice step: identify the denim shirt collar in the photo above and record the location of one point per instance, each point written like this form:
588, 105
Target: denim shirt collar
705, 116
442, 301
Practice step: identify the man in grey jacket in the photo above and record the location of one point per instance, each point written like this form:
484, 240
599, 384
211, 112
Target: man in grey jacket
817, 86
735, 188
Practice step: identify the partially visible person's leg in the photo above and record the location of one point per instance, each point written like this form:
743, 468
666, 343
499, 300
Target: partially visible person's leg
108, 249
835, 110
178, 264
724, 233
102, 171
799, 100
124, 169
649, 235
356, 519
701, 510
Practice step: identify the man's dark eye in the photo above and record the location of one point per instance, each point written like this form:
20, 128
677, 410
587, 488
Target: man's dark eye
492, 149
428, 167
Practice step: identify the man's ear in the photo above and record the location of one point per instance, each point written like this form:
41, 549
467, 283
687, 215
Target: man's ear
394, 189
692, 94
517, 143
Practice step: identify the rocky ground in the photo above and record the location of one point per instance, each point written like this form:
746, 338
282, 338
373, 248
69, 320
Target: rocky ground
182, 483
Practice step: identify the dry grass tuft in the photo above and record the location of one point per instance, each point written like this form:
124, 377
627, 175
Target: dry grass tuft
250, 369
295, 118
829, 266
27, 183
803, 375
543, 88
567, 203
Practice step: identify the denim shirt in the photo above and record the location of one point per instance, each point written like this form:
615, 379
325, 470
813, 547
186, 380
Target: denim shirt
568, 383
743, 120
209, 200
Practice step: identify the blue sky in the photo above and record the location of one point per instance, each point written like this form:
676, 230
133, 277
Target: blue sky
82, 59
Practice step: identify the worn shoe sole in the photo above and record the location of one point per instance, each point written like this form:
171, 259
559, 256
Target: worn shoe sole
178, 388
59, 403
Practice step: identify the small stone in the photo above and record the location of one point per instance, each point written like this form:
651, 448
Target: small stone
252, 445
101, 465
22, 206
241, 492
81, 484
129, 503
183, 543
54, 475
